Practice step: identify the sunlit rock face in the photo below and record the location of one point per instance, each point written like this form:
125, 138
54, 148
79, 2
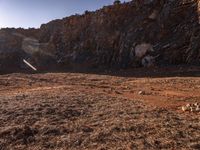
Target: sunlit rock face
127, 35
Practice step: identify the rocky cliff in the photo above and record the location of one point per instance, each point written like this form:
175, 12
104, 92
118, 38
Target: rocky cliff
134, 34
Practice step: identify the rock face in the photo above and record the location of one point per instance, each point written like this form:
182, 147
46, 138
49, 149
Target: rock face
133, 34
10, 52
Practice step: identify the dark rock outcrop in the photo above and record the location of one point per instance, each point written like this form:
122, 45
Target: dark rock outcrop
110, 36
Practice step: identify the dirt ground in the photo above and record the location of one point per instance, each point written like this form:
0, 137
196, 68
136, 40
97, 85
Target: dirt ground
93, 111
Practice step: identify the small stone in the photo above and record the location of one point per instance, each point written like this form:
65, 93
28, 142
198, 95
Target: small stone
188, 105
141, 92
196, 104
184, 108
197, 109
191, 109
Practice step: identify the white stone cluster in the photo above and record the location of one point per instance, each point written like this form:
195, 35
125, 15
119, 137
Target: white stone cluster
191, 107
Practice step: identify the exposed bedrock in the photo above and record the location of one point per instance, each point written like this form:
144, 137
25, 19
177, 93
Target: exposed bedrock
133, 34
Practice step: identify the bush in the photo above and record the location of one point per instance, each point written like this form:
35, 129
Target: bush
116, 2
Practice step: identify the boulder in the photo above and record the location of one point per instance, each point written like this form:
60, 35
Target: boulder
142, 49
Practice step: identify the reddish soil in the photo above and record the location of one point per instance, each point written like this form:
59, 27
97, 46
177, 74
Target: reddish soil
90, 111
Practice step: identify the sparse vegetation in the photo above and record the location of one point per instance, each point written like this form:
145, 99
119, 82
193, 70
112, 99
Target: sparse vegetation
116, 2
87, 111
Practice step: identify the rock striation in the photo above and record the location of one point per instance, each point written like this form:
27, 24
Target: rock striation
133, 34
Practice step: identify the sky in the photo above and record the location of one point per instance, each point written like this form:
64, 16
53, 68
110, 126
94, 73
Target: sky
33, 13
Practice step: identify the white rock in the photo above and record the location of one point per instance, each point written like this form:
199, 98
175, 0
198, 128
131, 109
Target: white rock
184, 108
188, 105
141, 92
191, 109
142, 49
197, 109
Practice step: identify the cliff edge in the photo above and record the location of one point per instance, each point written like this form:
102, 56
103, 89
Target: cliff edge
128, 35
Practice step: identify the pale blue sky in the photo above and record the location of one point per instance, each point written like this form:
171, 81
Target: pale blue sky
32, 13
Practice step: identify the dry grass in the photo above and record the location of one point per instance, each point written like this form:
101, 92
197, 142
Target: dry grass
82, 111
